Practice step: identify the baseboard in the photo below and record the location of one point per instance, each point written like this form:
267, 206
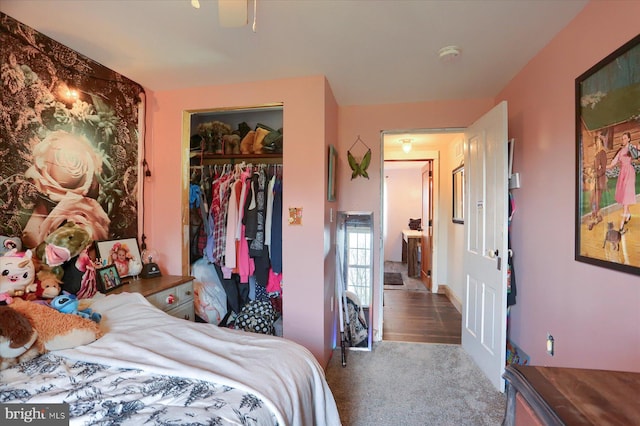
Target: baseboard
444, 289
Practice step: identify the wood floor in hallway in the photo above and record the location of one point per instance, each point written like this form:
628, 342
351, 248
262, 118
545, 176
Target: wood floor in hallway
413, 314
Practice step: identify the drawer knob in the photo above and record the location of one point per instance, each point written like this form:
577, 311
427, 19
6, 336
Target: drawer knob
188, 292
171, 299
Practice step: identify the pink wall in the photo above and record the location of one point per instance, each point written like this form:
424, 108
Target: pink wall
330, 208
305, 304
404, 201
593, 313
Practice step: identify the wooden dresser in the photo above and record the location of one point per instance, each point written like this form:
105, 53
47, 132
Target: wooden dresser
172, 293
571, 396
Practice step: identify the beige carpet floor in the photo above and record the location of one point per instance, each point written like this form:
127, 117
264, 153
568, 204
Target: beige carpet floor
413, 384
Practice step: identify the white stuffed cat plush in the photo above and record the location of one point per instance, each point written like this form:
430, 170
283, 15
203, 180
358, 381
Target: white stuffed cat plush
17, 271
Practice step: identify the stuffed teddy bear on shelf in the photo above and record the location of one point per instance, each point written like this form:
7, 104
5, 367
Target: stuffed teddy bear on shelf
54, 331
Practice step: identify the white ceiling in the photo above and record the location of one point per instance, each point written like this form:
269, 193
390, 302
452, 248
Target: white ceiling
372, 52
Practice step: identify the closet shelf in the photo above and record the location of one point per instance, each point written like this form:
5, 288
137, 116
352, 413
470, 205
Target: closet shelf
237, 158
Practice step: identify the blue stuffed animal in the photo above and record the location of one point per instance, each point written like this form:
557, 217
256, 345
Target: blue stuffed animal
68, 304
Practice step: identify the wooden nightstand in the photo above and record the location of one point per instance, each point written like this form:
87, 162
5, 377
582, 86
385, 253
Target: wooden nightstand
173, 294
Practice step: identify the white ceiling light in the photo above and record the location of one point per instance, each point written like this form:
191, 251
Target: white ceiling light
449, 53
406, 145
195, 3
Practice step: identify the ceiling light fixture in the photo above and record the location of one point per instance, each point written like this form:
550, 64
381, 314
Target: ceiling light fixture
406, 145
449, 53
195, 3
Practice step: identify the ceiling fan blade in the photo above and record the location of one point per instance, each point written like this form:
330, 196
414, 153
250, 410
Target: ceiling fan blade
233, 13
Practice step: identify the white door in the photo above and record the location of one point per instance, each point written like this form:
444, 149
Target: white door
427, 226
484, 321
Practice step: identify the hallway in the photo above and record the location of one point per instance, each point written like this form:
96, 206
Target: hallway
413, 314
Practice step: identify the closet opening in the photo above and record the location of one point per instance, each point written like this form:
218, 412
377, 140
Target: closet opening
232, 215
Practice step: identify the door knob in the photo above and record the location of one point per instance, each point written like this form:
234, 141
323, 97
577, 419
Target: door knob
493, 253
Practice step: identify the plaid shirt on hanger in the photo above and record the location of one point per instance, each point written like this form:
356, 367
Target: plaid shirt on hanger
219, 208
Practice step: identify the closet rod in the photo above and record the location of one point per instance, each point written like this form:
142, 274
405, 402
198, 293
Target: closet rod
232, 161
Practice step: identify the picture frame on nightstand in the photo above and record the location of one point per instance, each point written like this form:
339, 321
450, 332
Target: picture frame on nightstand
107, 279
121, 253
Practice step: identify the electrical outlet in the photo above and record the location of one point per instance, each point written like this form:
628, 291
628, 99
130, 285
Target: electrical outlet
550, 344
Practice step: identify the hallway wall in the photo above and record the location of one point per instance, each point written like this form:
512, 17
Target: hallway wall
403, 201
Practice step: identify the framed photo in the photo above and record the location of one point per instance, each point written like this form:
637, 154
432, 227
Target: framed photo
458, 195
107, 279
119, 253
607, 164
331, 176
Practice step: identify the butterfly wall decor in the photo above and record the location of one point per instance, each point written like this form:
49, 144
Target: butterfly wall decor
359, 168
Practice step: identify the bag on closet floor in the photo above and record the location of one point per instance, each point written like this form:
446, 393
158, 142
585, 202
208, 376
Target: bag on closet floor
257, 317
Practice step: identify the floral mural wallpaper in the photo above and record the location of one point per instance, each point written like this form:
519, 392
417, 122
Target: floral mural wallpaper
69, 140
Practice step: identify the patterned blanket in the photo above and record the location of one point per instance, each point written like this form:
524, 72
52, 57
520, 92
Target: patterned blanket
99, 394
157, 367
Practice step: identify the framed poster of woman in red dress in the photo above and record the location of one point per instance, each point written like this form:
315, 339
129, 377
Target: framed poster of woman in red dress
607, 164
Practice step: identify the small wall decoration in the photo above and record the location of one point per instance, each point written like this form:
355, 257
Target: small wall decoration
295, 215
124, 254
108, 279
458, 194
359, 168
607, 142
69, 140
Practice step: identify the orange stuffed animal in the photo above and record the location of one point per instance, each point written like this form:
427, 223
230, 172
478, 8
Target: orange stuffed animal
54, 329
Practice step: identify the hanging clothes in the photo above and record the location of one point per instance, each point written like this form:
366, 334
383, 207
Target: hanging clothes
241, 229
276, 228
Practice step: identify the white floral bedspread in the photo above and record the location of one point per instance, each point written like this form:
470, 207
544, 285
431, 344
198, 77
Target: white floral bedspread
99, 394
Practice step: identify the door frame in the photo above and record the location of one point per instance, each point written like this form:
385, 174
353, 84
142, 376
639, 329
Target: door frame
426, 155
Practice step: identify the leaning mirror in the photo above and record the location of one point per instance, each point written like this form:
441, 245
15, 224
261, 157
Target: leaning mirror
457, 195
354, 277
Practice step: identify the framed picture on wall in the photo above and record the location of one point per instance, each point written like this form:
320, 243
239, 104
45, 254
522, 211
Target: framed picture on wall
607, 164
331, 175
458, 195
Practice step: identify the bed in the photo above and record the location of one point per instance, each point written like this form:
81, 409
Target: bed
151, 368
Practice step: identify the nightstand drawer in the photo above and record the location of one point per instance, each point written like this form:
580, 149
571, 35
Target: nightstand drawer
185, 311
171, 298
171, 293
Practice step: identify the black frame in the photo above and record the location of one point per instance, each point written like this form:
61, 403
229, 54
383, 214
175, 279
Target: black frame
607, 104
103, 285
103, 249
331, 173
457, 194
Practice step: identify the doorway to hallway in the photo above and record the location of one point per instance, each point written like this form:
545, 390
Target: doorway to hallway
411, 312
